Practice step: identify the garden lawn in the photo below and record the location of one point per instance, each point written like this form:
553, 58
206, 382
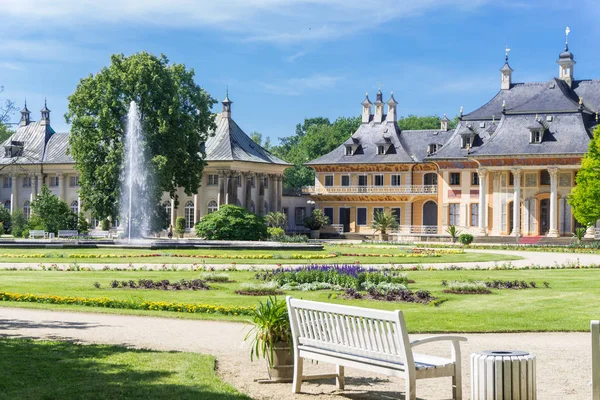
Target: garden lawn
346, 255
567, 305
62, 370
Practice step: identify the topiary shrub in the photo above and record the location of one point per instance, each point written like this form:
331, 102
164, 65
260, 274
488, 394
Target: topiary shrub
276, 233
180, 226
466, 239
105, 224
232, 223
19, 223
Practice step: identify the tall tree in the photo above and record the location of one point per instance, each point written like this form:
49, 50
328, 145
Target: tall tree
585, 196
6, 110
414, 122
51, 213
176, 119
257, 138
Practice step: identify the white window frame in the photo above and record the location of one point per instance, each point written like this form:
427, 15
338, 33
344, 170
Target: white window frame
450, 179
188, 213
474, 211
212, 206
212, 180
27, 209
454, 214
380, 149
348, 151
26, 181
342, 180
74, 206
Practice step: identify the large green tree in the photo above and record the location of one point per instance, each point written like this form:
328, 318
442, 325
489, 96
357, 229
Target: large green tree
585, 196
176, 118
414, 122
6, 110
51, 213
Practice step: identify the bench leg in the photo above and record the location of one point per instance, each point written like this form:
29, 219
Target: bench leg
339, 380
411, 388
298, 363
457, 384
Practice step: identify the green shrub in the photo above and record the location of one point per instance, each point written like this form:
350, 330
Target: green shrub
25, 234
105, 224
214, 277
316, 220
580, 233
51, 212
5, 220
83, 226
19, 223
276, 233
466, 287
453, 231
180, 226
276, 219
232, 223
466, 239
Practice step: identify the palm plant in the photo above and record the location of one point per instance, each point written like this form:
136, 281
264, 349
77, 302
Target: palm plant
271, 325
383, 221
580, 233
453, 231
276, 219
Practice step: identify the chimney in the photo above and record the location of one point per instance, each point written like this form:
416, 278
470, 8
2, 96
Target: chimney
25, 116
45, 115
366, 112
444, 123
378, 108
392, 103
226, 105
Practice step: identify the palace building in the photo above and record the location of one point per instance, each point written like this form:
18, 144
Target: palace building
505, 169
239, 171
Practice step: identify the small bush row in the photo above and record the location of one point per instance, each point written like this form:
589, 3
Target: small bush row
165, 284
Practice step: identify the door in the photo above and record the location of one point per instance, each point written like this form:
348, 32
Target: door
430, 217
511, 215
544, 216
345, 218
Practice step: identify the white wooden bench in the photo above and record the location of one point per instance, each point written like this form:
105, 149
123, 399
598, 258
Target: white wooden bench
367, 339
595, 330
99, 234
67, 233
37, 233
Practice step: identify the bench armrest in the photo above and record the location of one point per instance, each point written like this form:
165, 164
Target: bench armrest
430, 339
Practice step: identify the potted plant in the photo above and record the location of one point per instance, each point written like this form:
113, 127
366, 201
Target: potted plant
382, 222
315, 222
454, 232
180, 226
271, 338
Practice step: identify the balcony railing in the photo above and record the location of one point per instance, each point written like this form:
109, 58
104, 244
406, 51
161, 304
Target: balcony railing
416, 230
404, 189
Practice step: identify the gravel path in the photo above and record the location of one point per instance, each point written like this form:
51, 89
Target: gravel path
563, 359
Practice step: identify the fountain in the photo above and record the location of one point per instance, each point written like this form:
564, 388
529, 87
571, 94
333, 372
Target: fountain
135, 180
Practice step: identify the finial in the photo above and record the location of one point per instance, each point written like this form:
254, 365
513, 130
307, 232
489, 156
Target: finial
227, 91
581, 101
567, 31
503, 104
461, 111
536, 117
379, 86
367, 94
506, 50
45, 104
25, 102
493, 119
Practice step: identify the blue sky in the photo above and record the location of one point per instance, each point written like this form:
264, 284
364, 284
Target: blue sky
285, 60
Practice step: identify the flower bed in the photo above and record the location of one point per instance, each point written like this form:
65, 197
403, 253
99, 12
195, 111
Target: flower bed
128, 304
481, 287
397, 295
165, 284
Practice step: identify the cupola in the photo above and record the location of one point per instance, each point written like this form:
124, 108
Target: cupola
366, 112
444, 123
45, 115
506, 71
226, 105
392, 103
566, 62
378, 118
25, 116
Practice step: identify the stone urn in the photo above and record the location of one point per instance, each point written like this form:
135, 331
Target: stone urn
315, 234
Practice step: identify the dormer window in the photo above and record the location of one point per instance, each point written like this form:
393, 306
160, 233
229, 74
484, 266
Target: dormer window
349, 151
432, 148
15, 149
536, 136
466, 142
380, 149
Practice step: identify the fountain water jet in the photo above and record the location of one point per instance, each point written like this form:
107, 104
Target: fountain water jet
135, 179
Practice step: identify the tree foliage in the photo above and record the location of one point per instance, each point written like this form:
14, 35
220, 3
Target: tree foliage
51, 213
6, 110
257, 138
232, 223
414, 122
585, 196
176, 117
5, 220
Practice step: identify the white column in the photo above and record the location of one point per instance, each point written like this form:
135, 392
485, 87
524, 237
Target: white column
228, 188
195, 208
407, 209
220, 194
497, 210
483, 173
78, 204
244, 178
32, 187
14, 193
553, 232
516, 202
279, 191
257, 179
173, 212
61, 185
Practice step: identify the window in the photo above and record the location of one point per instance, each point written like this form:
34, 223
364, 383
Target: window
348, 151
73, 181
168, 211
511, 179
381, 149
26, 181
212, 207
430, 179
378, 180
362, 180
26, 209
266, 182
474, 179
474, 214
299, 214
454, 212
253, 181
7, 182
7, 204
454, 178
396, 180
361, 216
189, 214
396, 214
328, 211
432, 148
238, 180
345, 180
116, 223
328, 180
467, 141
54, 181
213, 180
544, 177
95, 222
536, 137
74, 206
377, 210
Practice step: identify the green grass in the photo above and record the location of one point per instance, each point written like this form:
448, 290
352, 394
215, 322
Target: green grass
51, 256
61, 370
568, 305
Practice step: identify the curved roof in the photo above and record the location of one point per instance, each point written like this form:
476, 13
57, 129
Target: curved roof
57, 150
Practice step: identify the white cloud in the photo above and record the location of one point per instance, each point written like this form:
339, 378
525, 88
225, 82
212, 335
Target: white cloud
293, 57
11, 66
299, 86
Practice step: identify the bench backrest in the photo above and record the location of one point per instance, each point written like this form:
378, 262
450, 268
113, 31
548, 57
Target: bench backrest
595, 330
357, 331
67, 232
37, 233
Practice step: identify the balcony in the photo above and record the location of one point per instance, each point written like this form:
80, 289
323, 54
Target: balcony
403, 189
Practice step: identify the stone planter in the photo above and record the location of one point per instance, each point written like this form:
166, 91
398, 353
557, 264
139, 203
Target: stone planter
315, 234
384, 237
283, 363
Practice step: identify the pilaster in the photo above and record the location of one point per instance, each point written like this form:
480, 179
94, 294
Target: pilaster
516, 202
553, 232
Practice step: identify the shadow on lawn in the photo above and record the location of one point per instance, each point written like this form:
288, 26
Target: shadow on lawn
59, 370
13, 324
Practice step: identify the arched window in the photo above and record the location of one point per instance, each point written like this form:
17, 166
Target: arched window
7, 204
212, 207
189, 214
168, 210
75, 206
95, 222
26, 209
251, 208
266, 209
544, 177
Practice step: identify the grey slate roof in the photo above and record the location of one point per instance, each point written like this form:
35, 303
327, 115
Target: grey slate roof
483, 131
34, 137
416, 142
56, 150
230, 143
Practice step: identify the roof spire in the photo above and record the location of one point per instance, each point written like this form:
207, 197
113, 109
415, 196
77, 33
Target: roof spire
506, 50
226, 104
567, 31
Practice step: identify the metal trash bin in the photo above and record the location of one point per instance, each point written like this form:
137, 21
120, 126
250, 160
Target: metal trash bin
51, 235
503, 375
